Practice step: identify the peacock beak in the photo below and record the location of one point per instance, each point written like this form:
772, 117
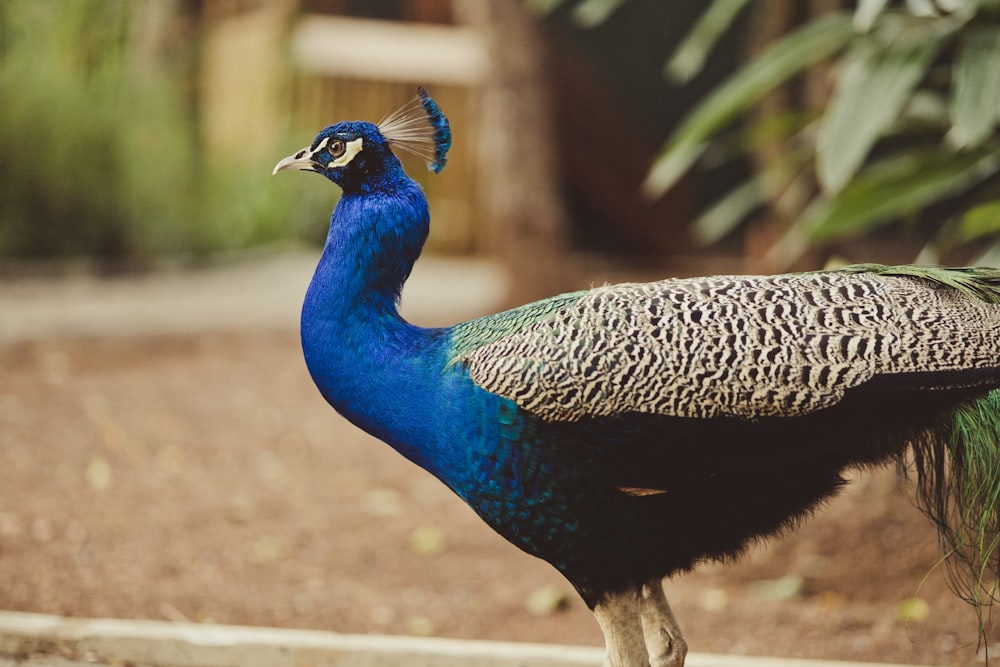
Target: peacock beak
301, 160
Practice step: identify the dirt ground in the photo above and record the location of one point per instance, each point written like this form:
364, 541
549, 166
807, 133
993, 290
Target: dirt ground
203, 478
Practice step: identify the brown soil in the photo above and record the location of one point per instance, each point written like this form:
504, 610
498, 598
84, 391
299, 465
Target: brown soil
203, 478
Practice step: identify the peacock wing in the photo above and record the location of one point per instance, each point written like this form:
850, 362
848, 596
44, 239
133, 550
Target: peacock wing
737, 346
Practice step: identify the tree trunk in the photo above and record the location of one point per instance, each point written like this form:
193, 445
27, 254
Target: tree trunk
527, 222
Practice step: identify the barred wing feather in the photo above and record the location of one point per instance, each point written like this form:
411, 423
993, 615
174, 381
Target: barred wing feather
742, 346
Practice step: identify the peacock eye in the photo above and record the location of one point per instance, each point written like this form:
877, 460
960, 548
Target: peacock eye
336, 148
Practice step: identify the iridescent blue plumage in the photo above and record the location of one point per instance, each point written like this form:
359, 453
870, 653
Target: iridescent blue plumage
442, 130
629, 432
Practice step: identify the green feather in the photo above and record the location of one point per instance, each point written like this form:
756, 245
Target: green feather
957, 484
979, 282
470, 335
957, 462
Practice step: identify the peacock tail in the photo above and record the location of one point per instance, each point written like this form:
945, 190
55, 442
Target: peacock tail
955, 470
979, 282
955, 464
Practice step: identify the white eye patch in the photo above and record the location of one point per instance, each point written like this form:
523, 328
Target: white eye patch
351, 149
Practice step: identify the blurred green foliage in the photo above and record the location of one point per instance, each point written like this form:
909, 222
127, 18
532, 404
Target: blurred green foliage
100, 142
859, 119
907, 135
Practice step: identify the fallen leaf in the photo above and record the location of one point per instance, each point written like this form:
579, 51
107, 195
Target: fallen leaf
266, 550
785, 588
546, 600
829, 599
99, 474
420, 625
913, 609
382, 502
714, 599
427, 540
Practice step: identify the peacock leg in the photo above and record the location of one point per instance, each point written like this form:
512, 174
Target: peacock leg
620, 618
664, 641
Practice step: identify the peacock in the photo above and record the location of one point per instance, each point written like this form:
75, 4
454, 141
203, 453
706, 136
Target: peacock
628, 432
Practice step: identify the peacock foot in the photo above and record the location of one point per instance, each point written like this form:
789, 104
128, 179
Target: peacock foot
640, 629
665, 644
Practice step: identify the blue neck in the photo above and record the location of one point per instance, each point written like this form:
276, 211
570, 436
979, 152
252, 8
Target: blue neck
372, 366
373, 242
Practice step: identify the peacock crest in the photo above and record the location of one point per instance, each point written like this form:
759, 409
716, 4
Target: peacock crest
419, 128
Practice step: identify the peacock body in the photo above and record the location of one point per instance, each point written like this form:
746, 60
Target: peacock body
628, 432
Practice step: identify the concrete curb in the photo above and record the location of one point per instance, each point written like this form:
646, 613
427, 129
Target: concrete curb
52, 641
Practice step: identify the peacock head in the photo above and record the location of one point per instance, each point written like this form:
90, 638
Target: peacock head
357, 154
347, 153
